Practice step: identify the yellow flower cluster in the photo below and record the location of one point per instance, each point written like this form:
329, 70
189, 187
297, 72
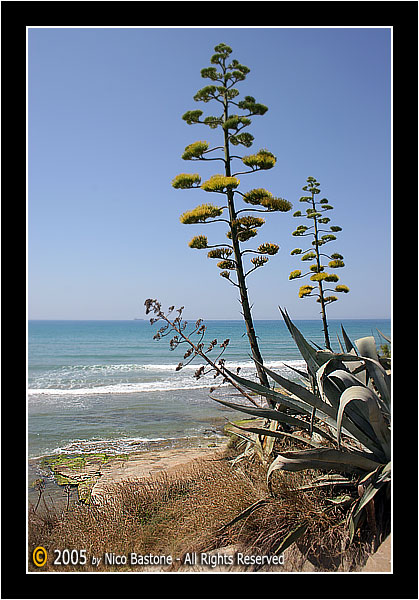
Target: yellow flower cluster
335, 264
199, 242
195, 150
220, 253
262, 160
268, 249
200, 214
305, 290
220, 183
227, 264
259, 261
186, 180
278, 204
295, 274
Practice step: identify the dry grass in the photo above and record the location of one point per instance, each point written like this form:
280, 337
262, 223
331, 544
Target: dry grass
185, 512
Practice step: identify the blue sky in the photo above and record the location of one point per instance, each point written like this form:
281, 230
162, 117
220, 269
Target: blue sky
105, 138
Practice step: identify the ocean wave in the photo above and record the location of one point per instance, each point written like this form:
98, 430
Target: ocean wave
119, 388
49, 385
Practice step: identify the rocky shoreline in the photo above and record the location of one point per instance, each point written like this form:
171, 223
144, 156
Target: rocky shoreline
92, 474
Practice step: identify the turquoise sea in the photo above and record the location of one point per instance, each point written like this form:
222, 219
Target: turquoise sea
109, 386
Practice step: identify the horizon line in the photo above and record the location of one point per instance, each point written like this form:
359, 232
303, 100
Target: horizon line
224, 319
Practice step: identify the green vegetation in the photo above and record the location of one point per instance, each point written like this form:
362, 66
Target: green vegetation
195, 511
241, 226
320, 225
80, 470
344, 420
338, 418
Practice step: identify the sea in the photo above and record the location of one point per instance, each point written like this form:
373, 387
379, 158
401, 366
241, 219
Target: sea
109, 386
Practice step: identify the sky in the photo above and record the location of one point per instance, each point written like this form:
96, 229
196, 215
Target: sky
105, 139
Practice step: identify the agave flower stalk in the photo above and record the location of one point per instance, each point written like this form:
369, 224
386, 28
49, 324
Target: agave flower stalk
321, 236
177, 327
241, 226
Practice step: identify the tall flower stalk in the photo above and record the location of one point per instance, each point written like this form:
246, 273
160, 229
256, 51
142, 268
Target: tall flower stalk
321, 236
241, 223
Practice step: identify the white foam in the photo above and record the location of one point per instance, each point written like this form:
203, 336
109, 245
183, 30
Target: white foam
119, 388
182, 380
109, 446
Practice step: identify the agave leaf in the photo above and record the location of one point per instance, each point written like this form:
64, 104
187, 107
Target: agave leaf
258, 448
348, 343
240, 435
358, 425
340, 343
325, 411
382, 380
359, 413
292, 537
355, 366
296, 389
343, 500
384, 336
376, 418
265, 413
376, 479
269, 413
367, 348
302, 373
328, 387
248, 511
322, 484
310, 355
279, 434
353, 522
246, 452
317, 346
381, 474
324, 458
268, 440
266, 392
385, 362
330, 477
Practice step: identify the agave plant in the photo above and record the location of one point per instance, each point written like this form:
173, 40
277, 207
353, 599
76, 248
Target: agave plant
345, 406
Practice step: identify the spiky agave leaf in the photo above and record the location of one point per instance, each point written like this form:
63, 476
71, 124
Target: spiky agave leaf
376, 419
307, 351
303, 403
322, 458
381, 379
372, 483
264, 431
276, 415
